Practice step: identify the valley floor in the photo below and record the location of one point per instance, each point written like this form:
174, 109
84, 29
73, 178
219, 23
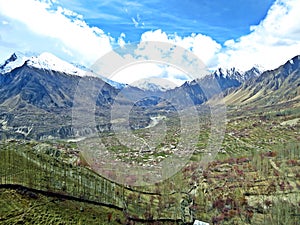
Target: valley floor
254, 179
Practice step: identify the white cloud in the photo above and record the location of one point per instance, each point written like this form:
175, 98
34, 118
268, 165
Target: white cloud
269, 44
133, 73
272, 42
136, 72
87, 43
121, 41
204, 47
136, 23
157, 57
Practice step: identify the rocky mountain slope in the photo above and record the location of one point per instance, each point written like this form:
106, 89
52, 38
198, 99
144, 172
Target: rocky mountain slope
38, 103
200, 90
37, 97
272, 87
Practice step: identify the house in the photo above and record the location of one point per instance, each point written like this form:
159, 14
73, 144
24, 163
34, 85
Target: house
197, 222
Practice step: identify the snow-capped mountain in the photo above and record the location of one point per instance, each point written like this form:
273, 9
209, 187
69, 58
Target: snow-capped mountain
252, 73
236, 74
45, 61
17, 59
42, 100
48, 61
226, 78
227, 72
271, 87
232, 77
154, 84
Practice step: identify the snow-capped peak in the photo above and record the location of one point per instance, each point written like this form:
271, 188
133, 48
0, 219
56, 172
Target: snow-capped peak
45, 61
235, 74
154, 84
49, 61
17, 59
259, 68
227, 72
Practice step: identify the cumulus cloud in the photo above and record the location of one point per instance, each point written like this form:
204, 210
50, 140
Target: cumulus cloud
133, 73
121, 40
65, 28
156, 56
204, 47
270, 43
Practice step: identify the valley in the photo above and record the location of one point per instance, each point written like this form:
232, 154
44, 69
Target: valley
153, 159
254, 179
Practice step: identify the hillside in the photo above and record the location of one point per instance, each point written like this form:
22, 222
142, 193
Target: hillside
254, 179
272, 87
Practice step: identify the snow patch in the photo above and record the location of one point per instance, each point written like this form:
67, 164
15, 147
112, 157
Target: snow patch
155, 120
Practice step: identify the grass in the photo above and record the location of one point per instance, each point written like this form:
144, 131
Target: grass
22, 206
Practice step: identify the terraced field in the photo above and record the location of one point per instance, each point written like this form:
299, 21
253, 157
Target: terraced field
254, 179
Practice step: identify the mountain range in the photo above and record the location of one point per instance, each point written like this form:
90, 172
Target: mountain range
37, 95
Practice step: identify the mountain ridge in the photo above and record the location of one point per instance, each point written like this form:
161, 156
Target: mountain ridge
271, 87
48, 61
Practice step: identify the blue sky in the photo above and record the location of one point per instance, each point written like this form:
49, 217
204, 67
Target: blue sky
222, 20
235, 33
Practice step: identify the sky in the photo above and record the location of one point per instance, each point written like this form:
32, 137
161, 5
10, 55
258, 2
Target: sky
235, 33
